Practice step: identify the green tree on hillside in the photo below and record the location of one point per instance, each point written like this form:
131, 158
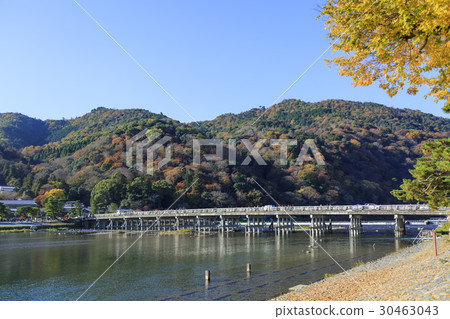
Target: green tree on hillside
35, 212
54, 207
254, 197
431, 183
4, 211
164, 193
24, 211
77, 209
112, 208
54, 202
104, 194
138, 191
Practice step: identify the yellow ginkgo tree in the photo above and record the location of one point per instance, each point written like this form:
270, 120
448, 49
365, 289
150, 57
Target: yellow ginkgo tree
401, 44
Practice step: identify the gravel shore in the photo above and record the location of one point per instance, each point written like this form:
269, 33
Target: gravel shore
410, 274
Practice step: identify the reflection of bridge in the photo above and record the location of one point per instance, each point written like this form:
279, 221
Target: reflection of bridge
257, 219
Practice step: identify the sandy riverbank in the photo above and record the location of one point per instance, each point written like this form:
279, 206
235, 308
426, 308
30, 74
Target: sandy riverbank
410, 274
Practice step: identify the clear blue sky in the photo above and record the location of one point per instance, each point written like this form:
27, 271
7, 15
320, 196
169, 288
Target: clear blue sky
214, 57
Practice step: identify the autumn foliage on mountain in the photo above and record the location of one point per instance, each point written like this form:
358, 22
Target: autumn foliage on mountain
367, 148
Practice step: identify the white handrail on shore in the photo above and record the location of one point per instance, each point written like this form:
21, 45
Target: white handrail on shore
418, 238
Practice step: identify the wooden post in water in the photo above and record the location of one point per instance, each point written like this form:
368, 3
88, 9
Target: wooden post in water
249, 268
207, 275
434, 244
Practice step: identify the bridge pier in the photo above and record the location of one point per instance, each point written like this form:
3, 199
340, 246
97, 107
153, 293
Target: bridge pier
283, 224
290, 224
355, 228
229, 223
399, 229
255, 224
317, 227
205, 224
247, 226
139, 224
211, 224
196, 224
261, 224
279, 227
183, 223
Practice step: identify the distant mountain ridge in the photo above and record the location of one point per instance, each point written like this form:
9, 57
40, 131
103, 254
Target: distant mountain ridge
18, 130
307, 115
368, 149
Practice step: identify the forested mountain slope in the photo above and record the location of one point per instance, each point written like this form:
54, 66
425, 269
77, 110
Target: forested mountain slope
368, 149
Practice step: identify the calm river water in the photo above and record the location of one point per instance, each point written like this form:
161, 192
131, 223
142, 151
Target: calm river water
52, 266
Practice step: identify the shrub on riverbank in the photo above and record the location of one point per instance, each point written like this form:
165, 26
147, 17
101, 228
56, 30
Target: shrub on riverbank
300, 228
443, 229
359, 263
15, 230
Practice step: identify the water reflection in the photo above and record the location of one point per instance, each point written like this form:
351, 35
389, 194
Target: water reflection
46, 266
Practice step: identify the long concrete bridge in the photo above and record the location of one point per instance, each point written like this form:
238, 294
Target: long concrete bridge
257, 219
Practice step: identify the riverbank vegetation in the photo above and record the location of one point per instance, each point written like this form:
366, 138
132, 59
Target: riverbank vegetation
16, 230
444, 229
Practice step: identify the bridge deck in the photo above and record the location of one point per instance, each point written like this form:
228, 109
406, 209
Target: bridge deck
285, 211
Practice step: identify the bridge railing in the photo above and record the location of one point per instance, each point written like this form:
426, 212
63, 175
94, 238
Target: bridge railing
268, 209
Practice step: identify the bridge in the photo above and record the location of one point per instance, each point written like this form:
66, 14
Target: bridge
257, 219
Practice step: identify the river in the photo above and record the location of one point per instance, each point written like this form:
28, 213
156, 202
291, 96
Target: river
61, 266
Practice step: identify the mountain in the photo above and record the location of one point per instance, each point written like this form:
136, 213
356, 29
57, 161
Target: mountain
367, 148
18, 131
296, 114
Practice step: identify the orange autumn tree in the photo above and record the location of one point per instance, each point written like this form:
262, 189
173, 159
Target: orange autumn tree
401, 44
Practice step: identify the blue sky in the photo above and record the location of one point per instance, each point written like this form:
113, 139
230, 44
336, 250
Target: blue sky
213, 57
